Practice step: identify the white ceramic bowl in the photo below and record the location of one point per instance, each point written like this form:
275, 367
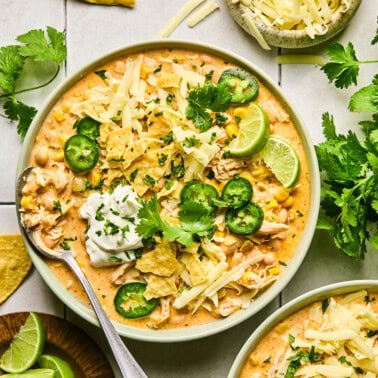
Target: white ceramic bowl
293, 38
182, 334
290, 308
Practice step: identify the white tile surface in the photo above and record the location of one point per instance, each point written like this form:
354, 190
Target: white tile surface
95, 30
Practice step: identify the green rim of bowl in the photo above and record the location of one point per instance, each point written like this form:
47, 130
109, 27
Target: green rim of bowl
291, 307
204, 330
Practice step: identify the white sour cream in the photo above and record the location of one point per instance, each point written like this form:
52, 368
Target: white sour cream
111, 237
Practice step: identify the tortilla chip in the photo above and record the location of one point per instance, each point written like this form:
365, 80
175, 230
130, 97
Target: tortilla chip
117, 142
150, 166
168, 80
15, 264
160, 287
197, 272
160, 261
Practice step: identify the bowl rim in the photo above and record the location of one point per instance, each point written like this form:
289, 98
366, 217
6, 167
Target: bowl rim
294, 305
203, 330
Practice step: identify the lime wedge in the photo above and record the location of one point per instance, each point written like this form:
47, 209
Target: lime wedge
253, 132
26, 347
280, 156
33, 373
59, 366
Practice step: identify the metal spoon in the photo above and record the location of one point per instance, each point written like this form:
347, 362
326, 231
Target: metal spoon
126, 362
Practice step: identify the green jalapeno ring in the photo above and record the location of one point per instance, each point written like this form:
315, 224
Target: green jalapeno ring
131, 294
245, 220
88, 126
200, 192
243, 87
81, 153
237, 192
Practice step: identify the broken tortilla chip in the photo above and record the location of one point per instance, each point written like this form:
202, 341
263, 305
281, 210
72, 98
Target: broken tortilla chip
15, 264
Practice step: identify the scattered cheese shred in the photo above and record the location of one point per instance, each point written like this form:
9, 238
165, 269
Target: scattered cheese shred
253, 30
179, 17
202, 13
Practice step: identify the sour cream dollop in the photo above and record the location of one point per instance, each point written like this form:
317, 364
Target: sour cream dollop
111, 237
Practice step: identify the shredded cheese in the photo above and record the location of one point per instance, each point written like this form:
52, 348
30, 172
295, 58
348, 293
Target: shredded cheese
314, 17
202, 13
179, 17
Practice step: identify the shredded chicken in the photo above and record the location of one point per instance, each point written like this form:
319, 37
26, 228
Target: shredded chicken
225, 169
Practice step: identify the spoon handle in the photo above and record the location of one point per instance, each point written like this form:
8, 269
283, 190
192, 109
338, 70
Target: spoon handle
125, 361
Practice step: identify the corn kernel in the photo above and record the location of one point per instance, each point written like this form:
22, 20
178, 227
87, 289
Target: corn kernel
248, 177
59, 156
178, 59
232, 130
144, 71
90, 85
288, 202
271, 204
253, 360
240, 112
275, 270
246, 246
282, 195
245, 278
66, 107
62, 140
219, 234
94, 178
260, 172
58, 115
78, 184
27, 202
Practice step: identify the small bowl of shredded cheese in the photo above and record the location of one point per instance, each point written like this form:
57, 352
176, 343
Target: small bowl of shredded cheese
292, 23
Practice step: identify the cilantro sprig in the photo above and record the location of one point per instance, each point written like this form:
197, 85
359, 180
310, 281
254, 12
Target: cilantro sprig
202, 100
349, 199
35, 46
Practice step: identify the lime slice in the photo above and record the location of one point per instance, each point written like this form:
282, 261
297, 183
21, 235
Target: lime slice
280, 156
59, 366
33, 373
253, 132
26, 347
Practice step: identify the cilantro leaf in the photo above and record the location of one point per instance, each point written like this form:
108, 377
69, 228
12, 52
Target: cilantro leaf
195, 218
11, 67
42, 48
375, 39
152, 223
216, 98
20, 112
365, 100
343, 68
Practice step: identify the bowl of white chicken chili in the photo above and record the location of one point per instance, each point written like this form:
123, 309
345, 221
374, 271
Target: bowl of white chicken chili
183, 182
329, 332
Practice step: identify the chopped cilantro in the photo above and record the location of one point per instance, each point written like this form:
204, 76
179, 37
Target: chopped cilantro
57, 206
162, 159
168, 138
133, 175
101, 74
149, 180
191, 142
325, 304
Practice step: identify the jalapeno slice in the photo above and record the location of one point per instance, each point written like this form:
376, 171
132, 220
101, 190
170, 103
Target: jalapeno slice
81, 153
201, 192
88, 126
130, 303
243, 87
237, 192
245, 220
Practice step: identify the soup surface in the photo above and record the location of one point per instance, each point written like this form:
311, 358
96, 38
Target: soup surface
336, 337
136, 174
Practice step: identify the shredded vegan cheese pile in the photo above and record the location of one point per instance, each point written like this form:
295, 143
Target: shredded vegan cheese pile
312, 16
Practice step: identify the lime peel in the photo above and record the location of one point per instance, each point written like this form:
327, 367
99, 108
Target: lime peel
26, 347
253, 133
280, 156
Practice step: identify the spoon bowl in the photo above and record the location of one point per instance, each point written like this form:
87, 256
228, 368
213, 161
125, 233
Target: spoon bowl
124, 359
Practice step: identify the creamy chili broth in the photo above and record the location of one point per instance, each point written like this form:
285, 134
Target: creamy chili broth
339, 332
161, 81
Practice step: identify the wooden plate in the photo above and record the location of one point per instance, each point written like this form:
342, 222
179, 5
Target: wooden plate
64, 340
